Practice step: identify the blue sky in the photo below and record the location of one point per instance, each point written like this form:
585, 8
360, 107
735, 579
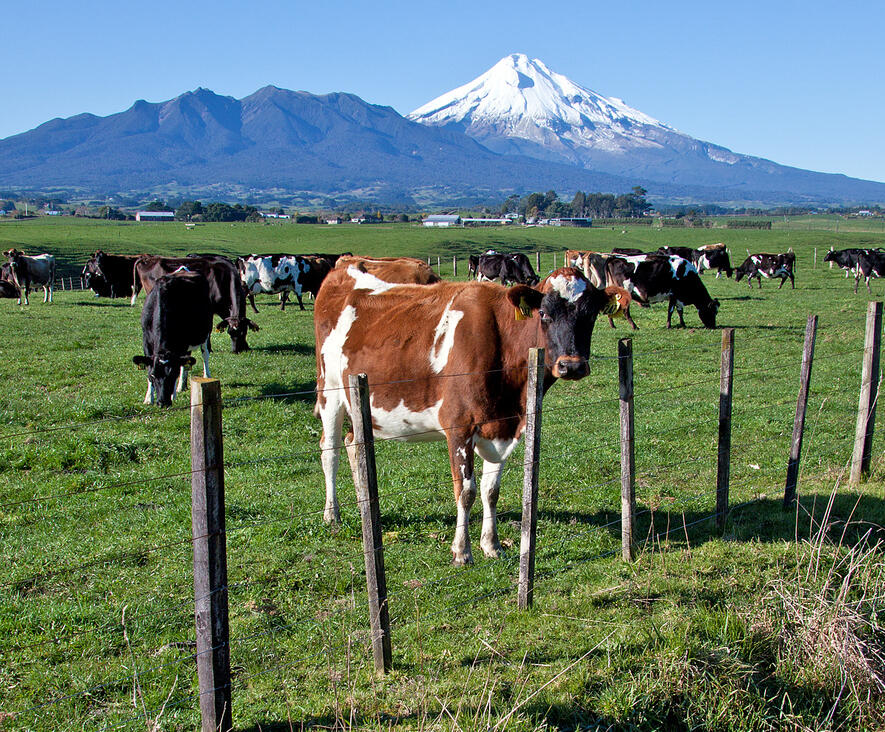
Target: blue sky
800, 83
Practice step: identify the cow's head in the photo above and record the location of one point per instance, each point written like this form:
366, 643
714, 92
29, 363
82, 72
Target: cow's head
830, 255
708, 312
237, 328
14, 257
568, 306
163, 371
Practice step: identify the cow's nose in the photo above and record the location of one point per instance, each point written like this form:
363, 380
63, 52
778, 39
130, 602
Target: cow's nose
571, 367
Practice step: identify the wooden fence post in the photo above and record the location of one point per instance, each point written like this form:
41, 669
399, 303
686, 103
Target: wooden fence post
538, 262
801, 408
370, 514
628, 462
210, 555
726, 390
869, 390
455, 266
533, 396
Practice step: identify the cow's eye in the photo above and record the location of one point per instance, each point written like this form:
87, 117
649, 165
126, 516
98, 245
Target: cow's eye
545, 317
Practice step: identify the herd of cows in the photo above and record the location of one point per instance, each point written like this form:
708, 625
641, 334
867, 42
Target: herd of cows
414, 335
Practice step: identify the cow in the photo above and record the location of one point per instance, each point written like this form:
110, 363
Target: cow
177, 318
448, 361
705, 257
402, 270
513, 268
869, 264
282, 273
652, 278
7, 284
27, 271
847, 258
109, 275
767, 265
627, 251
225, 289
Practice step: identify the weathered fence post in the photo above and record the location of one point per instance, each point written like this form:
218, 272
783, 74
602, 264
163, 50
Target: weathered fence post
801, 407
210, 555
533, 397
726, 390
814, 266
370, 514
869, 390
628, 462
455, 266
538, 262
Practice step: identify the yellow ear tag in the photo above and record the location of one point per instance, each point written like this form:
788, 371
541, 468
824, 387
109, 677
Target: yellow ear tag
613, 307
524, 311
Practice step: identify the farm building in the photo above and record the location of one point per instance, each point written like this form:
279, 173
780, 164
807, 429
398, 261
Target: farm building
155, 216
486, 222
581, 222
442, 220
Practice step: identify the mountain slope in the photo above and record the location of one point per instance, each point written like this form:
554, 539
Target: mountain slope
521, 106
273, 139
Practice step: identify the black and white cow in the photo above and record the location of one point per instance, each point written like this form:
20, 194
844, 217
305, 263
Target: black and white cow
177, 318
109, 275
869, 264
768, 266
847, 258
282, 273
709, 256
508, 269
655, 277
28, 271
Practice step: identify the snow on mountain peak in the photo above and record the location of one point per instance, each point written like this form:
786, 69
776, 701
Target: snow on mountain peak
521, 98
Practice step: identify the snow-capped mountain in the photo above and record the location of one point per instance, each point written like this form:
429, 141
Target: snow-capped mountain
521, 106
521, 99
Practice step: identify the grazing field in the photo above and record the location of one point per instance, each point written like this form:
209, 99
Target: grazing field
777, 623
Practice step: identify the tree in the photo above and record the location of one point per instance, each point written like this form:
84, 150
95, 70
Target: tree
156, 206
188, 209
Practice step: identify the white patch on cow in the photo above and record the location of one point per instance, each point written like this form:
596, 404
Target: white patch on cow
497, 451
676, 262
569, 288
444, 337
182, 268
408, 425
367, 281
334, 361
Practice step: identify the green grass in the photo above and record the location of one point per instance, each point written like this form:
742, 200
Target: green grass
696, 634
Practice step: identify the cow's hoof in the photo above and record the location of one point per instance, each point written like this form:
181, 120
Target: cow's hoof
332, 516
495, 551
462, 560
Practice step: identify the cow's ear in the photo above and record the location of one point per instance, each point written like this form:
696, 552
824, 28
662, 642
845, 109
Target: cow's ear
141, 361
252, 326
525, 300
221, 326
614, 301
188, 361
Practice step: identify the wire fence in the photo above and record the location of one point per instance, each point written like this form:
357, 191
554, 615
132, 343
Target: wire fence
296, 588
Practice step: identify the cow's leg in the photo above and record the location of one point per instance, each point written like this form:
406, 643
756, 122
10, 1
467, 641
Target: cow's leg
204, 352
611, 321
332, 417
284, 298
27, 291
300, 303
792, 282
856, 281
869, 289
181, 384
47, 293
251, 296
461, 463
149, 396
494, 454
630, 319
490, 487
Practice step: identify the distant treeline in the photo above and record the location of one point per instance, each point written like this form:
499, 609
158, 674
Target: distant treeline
593, 205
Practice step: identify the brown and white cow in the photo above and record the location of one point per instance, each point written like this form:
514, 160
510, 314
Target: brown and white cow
448, 362
38, 271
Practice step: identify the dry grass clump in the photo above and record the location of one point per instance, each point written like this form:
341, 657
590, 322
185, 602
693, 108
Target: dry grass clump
829, 621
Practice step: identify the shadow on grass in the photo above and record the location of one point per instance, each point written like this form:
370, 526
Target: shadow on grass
295, 349
303, 392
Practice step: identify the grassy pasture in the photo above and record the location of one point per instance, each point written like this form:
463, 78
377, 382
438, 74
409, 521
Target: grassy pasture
703, 631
